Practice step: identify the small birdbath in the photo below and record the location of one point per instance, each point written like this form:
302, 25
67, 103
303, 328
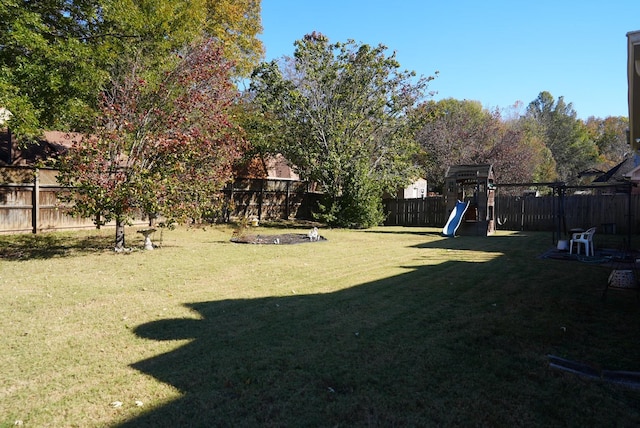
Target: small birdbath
148, 245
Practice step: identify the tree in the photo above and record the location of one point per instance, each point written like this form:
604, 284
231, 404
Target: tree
563, 134
165, 147
56, 56
342, 111
47, 74
454, 132
236, 24
543, 164
610, 136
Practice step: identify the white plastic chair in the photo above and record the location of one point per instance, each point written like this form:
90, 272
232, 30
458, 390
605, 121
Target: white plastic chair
584, 238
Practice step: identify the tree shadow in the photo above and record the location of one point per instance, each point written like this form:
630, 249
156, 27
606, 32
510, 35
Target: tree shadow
316, 360
414, 349
50, 245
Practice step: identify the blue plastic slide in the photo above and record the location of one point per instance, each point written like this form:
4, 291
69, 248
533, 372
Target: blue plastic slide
455, 218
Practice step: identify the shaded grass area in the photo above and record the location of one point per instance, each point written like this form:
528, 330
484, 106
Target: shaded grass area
48, 245
386, 327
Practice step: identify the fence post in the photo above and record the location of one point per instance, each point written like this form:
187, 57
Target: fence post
287, 211
35, 201
261, 199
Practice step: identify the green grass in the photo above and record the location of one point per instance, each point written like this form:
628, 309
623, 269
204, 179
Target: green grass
384, 327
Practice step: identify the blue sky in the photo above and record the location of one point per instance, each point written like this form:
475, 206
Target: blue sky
496, 52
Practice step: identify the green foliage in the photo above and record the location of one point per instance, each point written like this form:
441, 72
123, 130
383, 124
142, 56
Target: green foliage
342, 112
359, 206
236, 25
56, 56
48, 74
563, 134
610, 136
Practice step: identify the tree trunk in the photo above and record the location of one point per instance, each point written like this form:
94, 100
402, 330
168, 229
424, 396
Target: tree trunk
119, 235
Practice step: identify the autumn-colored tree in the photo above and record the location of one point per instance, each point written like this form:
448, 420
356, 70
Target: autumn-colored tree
165, 147
610, 135
342, 111
454, 132
236, 24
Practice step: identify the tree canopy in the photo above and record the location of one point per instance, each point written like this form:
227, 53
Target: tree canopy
158, 147
609, 135
564, 135
56, 56
454, 132
341, 110
546, 143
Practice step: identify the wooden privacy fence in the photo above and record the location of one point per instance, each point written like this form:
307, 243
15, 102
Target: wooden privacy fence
29, 201
270, 198
428, 211
609, 213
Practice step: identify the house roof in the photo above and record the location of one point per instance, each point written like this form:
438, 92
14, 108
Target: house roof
274, 167
278, 167
50, 145
618, 172
62, 141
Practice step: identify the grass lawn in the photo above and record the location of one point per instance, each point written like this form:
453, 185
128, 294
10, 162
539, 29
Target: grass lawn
383, 327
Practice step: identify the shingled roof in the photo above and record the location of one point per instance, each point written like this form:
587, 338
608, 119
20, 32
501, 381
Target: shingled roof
50, 145
618, 172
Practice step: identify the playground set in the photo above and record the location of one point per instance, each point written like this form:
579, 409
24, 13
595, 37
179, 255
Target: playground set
470, 189
470, 200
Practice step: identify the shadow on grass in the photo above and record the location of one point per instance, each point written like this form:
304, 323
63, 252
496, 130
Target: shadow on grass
50, 245
438, 345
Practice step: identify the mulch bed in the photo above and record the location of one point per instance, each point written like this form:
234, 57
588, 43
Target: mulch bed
280, 239
603, 257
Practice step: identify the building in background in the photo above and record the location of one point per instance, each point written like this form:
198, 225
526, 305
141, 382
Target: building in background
633, 74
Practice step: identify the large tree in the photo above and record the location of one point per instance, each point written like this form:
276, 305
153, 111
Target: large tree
563, 134
610, 135
56, 56
159, 147
454, 132
341, 110
48, 73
